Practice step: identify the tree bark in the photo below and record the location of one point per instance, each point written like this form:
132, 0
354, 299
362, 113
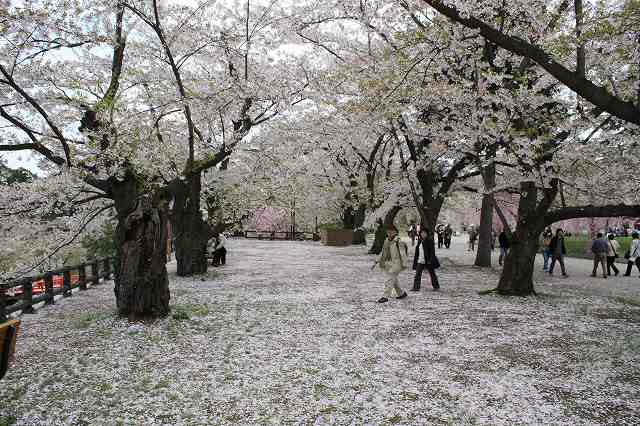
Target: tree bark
141, 282
381, 232
485, 242
517, 274
619, 210
191, 232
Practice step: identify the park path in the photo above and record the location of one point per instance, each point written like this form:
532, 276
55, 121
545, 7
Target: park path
289, 333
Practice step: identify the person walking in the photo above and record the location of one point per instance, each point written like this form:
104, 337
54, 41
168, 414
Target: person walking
219, 250
599, 248
612, 254
503, 241
634, 253
547, 235
425, 258
473, 235
440, 232
392, 261
558, 251
412, 232
448, 233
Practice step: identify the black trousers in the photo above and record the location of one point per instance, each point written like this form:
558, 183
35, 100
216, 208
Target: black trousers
611, 264
630, 266
418, 278
447, 242
440, 240
219, 257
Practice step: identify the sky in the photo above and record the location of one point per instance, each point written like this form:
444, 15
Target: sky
22, 159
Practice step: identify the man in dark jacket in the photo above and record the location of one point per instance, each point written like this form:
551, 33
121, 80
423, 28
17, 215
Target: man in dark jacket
425, 258
558, 251
599, 248
448, 233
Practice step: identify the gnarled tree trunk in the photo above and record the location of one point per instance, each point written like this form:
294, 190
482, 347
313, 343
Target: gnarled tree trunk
353, 218
517, 274
141, 282
381, 232
191, 231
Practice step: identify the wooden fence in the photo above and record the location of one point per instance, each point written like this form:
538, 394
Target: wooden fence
22, 294
282, 235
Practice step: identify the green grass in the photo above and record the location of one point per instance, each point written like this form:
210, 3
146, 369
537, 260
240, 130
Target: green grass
86, 320
187, 311
580, 246
8, 420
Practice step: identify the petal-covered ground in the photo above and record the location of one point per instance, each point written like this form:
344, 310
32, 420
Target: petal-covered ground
289, 333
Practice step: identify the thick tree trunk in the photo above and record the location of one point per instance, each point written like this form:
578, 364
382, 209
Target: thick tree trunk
359, 235
191, 231
141, 282
381, 232
517, 274
378, 241
485, 241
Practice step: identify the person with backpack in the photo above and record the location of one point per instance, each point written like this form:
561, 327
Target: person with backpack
425, 258
612, 254
558, 252
633, 255
392, 260
547, 235
599, 249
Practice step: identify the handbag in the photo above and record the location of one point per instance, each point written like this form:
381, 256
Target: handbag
435, 263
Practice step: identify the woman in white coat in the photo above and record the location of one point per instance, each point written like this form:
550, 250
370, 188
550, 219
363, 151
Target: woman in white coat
634, 254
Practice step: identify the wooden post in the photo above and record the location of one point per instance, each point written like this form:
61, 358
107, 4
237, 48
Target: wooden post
48, 289
3, 305
27, 297
95, 273
66, 283
107, 269
82, 272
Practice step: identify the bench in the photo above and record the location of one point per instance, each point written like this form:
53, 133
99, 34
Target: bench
8, 333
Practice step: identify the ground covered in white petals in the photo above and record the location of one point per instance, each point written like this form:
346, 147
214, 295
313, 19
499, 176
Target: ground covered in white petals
289, 333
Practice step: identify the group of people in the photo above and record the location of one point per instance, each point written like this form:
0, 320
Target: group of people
392, 261
444, 233
217, 247
605, 252
503, 241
